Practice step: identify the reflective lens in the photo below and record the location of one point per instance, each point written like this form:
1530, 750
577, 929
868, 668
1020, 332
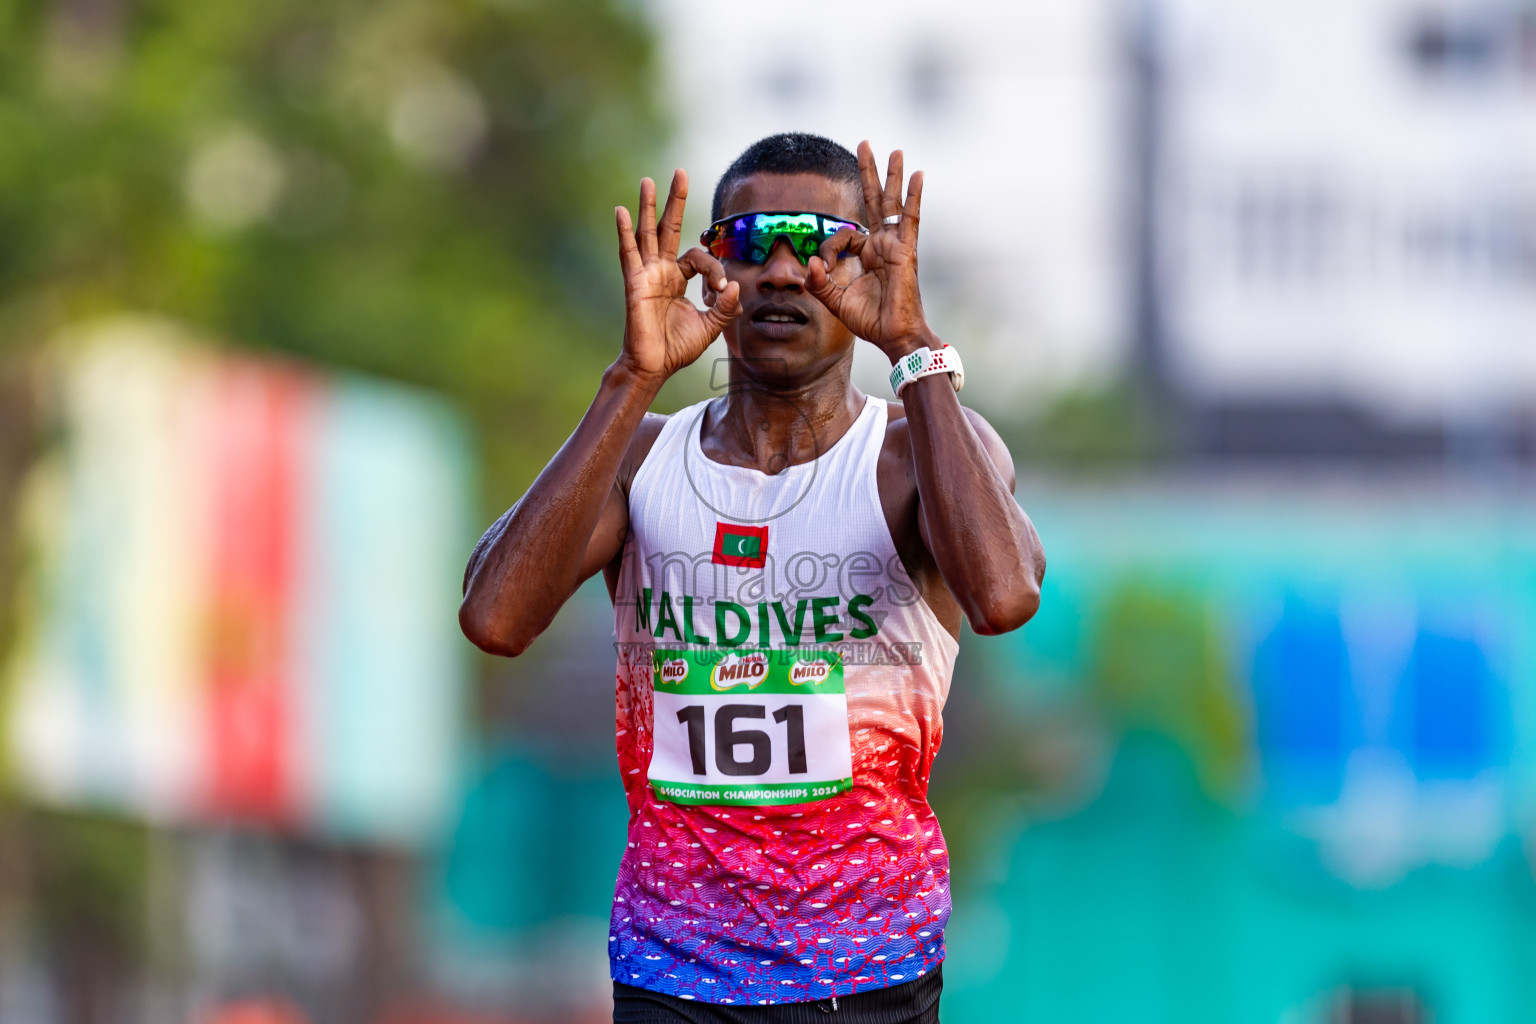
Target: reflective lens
752, 236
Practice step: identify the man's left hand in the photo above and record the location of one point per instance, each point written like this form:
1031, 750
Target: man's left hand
882, 305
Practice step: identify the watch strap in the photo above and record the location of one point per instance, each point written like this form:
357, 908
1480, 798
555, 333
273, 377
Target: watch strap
924, 362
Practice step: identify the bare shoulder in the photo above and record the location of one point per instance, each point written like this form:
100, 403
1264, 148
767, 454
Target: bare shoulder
645, 435
639, 447
898, 440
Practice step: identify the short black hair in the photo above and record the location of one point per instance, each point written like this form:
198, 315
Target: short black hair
789, 153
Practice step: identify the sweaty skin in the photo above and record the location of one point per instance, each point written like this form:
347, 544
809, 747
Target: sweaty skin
945, 477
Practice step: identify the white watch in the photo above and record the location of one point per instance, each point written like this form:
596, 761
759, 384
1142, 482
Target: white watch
926, 361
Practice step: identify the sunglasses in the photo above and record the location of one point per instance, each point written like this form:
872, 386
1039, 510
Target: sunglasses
752, 236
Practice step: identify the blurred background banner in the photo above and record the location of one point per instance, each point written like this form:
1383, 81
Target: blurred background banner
240, 610
1261, 756
298, 296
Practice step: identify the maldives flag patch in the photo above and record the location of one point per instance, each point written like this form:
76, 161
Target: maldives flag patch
744, 546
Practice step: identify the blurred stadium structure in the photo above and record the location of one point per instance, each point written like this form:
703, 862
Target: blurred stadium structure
1312, 227
1344, 226
1249, 287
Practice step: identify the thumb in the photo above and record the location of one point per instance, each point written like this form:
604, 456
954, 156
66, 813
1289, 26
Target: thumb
820, 284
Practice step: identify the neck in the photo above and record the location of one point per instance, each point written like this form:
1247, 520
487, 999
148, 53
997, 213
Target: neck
770, 426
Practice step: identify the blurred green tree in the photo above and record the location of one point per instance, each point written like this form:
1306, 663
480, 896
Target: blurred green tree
1162, 667
414, 189
419, 189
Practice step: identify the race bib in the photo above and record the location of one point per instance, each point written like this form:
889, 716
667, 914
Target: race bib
767, 727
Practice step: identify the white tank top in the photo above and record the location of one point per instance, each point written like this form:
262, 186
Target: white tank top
780, 688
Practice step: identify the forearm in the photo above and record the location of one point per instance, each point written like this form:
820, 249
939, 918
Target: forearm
531, 560
984, 545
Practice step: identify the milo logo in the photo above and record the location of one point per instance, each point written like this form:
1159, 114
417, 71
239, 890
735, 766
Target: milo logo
733, 671
674, 670
812, 672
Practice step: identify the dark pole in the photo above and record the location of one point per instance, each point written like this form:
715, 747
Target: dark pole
1146, 110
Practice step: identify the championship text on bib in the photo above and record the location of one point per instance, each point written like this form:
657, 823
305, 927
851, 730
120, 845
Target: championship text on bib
770, 727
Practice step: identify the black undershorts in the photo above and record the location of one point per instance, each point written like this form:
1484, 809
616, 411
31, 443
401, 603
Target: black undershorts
913, 1002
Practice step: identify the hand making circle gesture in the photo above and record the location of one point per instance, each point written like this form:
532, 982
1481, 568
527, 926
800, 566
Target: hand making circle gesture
663, 330
882, 305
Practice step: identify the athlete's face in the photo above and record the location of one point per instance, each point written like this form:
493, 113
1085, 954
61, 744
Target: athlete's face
784, 331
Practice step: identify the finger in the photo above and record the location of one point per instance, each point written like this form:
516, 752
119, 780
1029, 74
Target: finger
647, 214
869, 180
670, 230
699, 261
726, 308
891, 200
845, 241
911, 212
629, 253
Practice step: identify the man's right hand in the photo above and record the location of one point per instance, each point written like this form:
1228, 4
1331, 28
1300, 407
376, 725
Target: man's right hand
663, 331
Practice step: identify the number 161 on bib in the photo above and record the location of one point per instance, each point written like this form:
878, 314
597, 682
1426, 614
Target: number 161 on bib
767, 727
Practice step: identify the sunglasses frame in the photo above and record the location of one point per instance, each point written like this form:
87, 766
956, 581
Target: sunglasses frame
714, 232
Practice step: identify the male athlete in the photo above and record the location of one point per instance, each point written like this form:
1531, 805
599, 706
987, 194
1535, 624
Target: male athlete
789, 564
